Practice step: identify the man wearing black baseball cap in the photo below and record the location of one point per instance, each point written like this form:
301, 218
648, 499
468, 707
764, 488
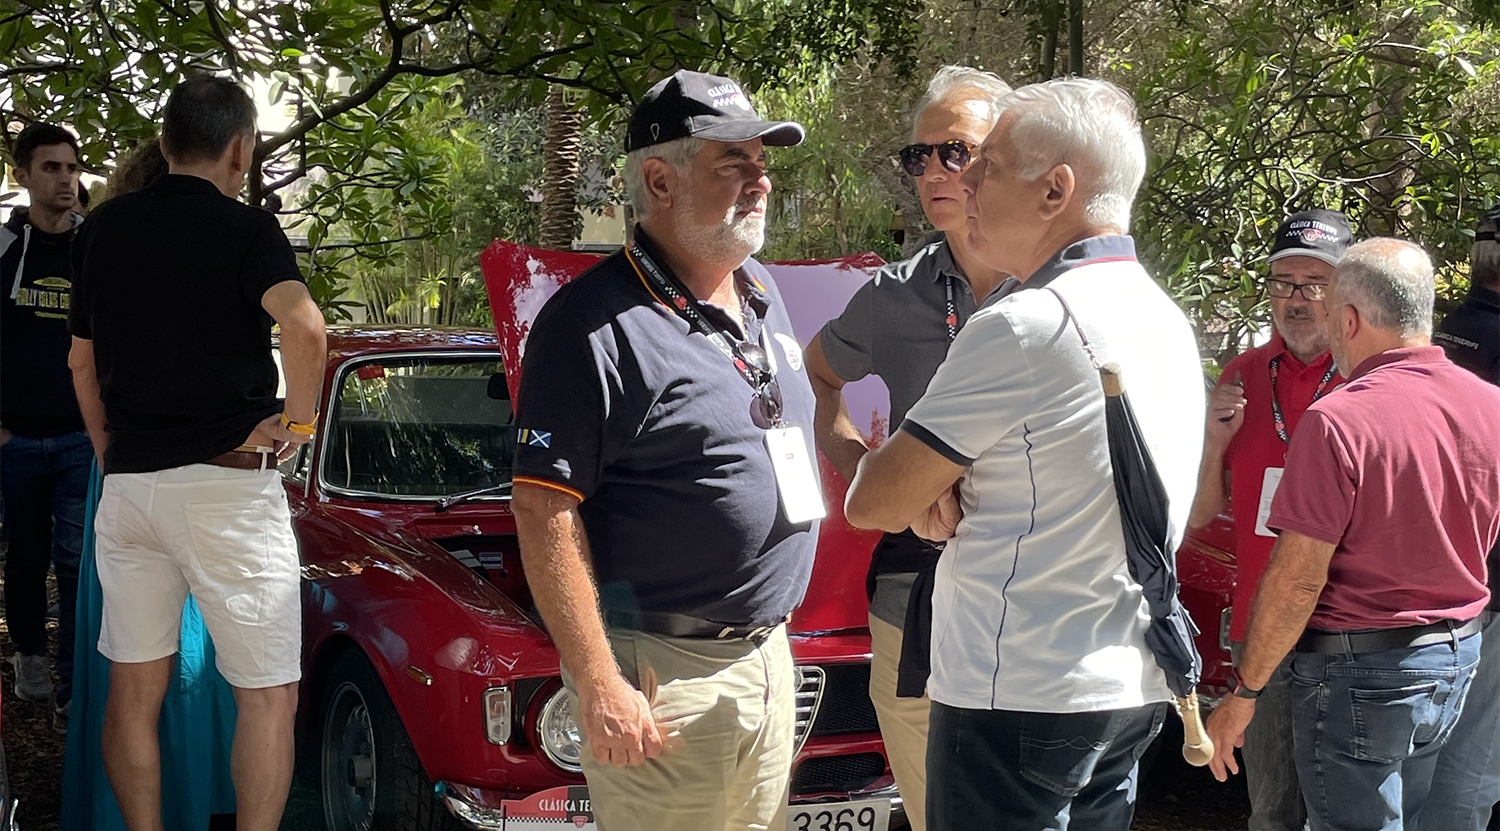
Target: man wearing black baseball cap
1252, 415
656, 390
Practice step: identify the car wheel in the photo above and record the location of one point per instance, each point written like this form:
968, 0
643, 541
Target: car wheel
369, 775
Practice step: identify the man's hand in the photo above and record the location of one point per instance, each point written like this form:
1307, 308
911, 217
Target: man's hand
1226, 412
4, 436
617, 723
940, 521
285, 441
1226, 727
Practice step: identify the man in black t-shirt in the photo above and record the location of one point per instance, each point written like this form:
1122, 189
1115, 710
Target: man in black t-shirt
664, 544
177, 288
44, 452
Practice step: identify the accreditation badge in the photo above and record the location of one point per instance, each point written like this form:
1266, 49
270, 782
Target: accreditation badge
1268, 486
796, 475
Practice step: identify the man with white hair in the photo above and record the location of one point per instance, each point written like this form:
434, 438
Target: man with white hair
898, 326
1044, 692
1377, 582
657, 391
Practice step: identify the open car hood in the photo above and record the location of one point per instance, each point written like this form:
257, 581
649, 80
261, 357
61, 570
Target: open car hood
520, 279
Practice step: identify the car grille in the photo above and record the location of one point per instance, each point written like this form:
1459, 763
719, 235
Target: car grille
846, 706
838, 774
809, 695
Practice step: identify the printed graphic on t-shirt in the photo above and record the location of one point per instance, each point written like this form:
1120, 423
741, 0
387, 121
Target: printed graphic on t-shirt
47, 297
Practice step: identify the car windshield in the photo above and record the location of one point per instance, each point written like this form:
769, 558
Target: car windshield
420, 427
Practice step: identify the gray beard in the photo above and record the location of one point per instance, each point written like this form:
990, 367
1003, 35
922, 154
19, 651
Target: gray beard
723, 240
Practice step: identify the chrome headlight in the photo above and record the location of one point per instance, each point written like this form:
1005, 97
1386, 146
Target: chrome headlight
558, 733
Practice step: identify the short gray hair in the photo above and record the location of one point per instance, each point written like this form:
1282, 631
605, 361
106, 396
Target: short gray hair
678, 153
1484, 257
1089, 125
1390, 282
964, 83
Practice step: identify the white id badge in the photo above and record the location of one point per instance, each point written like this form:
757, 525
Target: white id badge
796, 476
1268, 488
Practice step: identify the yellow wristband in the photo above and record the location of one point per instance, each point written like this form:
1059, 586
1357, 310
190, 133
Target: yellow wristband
299, 429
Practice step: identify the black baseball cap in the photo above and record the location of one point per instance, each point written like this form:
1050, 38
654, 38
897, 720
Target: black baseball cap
705, 106
1492, 219
1316, 233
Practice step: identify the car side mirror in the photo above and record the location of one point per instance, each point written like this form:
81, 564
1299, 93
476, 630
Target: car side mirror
498, 389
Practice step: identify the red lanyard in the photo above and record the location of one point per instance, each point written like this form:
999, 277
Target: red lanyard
1276, 415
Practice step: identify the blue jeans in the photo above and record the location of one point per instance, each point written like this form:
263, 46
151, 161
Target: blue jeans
1467, 782
44, 483
1270, 768
1369, 728
1013, 771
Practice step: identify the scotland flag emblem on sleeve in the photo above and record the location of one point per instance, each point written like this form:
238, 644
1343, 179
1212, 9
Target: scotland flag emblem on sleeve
535, 438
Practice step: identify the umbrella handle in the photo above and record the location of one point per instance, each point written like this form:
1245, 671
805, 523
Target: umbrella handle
1197, 747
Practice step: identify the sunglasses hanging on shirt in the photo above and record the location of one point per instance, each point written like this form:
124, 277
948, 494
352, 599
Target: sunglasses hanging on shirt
954, 155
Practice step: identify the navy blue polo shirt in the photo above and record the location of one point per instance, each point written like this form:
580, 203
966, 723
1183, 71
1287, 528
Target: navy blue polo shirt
1471, 334
627, 407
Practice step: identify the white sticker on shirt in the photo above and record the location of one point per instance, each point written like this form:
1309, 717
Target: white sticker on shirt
1268, 487
796, 476
792, 349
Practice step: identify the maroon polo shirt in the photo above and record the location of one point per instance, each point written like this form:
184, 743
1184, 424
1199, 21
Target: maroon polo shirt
1258, 446
1400, 470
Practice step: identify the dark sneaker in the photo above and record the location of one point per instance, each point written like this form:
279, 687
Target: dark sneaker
33, 682
60, 718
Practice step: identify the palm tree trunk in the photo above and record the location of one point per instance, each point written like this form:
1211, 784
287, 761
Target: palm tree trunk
560, 159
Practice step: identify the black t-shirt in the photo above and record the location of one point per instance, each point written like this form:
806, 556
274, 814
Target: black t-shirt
642, 418
36, 386
1471, 334
168, 286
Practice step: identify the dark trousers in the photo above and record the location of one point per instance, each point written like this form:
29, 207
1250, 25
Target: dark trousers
44, 483
1010, 771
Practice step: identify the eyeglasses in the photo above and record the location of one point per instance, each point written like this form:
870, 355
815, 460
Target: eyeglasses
1311, 292
767, 390
955, 155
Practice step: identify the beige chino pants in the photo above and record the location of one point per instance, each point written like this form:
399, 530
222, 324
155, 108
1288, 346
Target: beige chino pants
903, 722
734, 703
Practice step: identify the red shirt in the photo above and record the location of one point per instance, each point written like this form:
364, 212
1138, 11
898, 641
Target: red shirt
1257, 446
1400, 469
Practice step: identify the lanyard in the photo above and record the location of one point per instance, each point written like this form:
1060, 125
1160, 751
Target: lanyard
952, 305
688, 310
1276, 399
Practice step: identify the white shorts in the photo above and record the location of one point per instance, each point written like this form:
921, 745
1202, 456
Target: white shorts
223, 534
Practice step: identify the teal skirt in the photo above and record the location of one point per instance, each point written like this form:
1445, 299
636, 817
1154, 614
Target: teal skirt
196, 728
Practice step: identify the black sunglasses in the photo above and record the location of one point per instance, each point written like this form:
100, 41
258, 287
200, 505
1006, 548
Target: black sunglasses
767, 390
955, 155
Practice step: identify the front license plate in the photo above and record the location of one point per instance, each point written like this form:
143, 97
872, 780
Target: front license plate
860, 815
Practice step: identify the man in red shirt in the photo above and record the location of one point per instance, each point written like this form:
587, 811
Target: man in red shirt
1252, 415
1390, 500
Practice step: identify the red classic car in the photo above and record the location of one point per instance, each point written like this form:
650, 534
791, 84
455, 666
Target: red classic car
430, 685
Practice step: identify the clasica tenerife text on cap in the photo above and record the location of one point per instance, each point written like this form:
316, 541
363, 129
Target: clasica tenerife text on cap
700, 105
1316, 233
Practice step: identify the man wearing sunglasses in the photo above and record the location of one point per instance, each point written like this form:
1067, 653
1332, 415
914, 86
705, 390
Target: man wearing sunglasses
1252, 415
665, 495
898, 326
1044, 691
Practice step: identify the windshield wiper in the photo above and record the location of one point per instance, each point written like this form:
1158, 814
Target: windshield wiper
458, 498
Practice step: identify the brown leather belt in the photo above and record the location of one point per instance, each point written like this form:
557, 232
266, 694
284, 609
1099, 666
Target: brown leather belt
243, 459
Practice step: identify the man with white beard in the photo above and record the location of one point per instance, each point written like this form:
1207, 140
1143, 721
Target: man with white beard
656, 390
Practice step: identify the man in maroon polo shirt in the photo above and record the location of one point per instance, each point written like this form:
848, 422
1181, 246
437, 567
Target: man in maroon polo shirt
1252, 414
1390, 500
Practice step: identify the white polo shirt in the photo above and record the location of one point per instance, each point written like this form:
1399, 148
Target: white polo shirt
1034, 608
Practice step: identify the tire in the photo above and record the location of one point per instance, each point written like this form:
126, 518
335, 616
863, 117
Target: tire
369, 776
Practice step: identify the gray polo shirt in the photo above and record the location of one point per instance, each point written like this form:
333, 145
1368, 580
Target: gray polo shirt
895, 327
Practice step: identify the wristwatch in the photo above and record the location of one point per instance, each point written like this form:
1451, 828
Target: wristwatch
309, 429
1242, 691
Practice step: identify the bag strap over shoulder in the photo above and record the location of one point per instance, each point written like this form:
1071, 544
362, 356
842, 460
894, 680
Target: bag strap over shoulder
1109, 374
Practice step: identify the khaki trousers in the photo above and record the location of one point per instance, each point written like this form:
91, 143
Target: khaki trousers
734, 703
903, 722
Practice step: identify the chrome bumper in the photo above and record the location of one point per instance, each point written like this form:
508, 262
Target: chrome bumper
480, 810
